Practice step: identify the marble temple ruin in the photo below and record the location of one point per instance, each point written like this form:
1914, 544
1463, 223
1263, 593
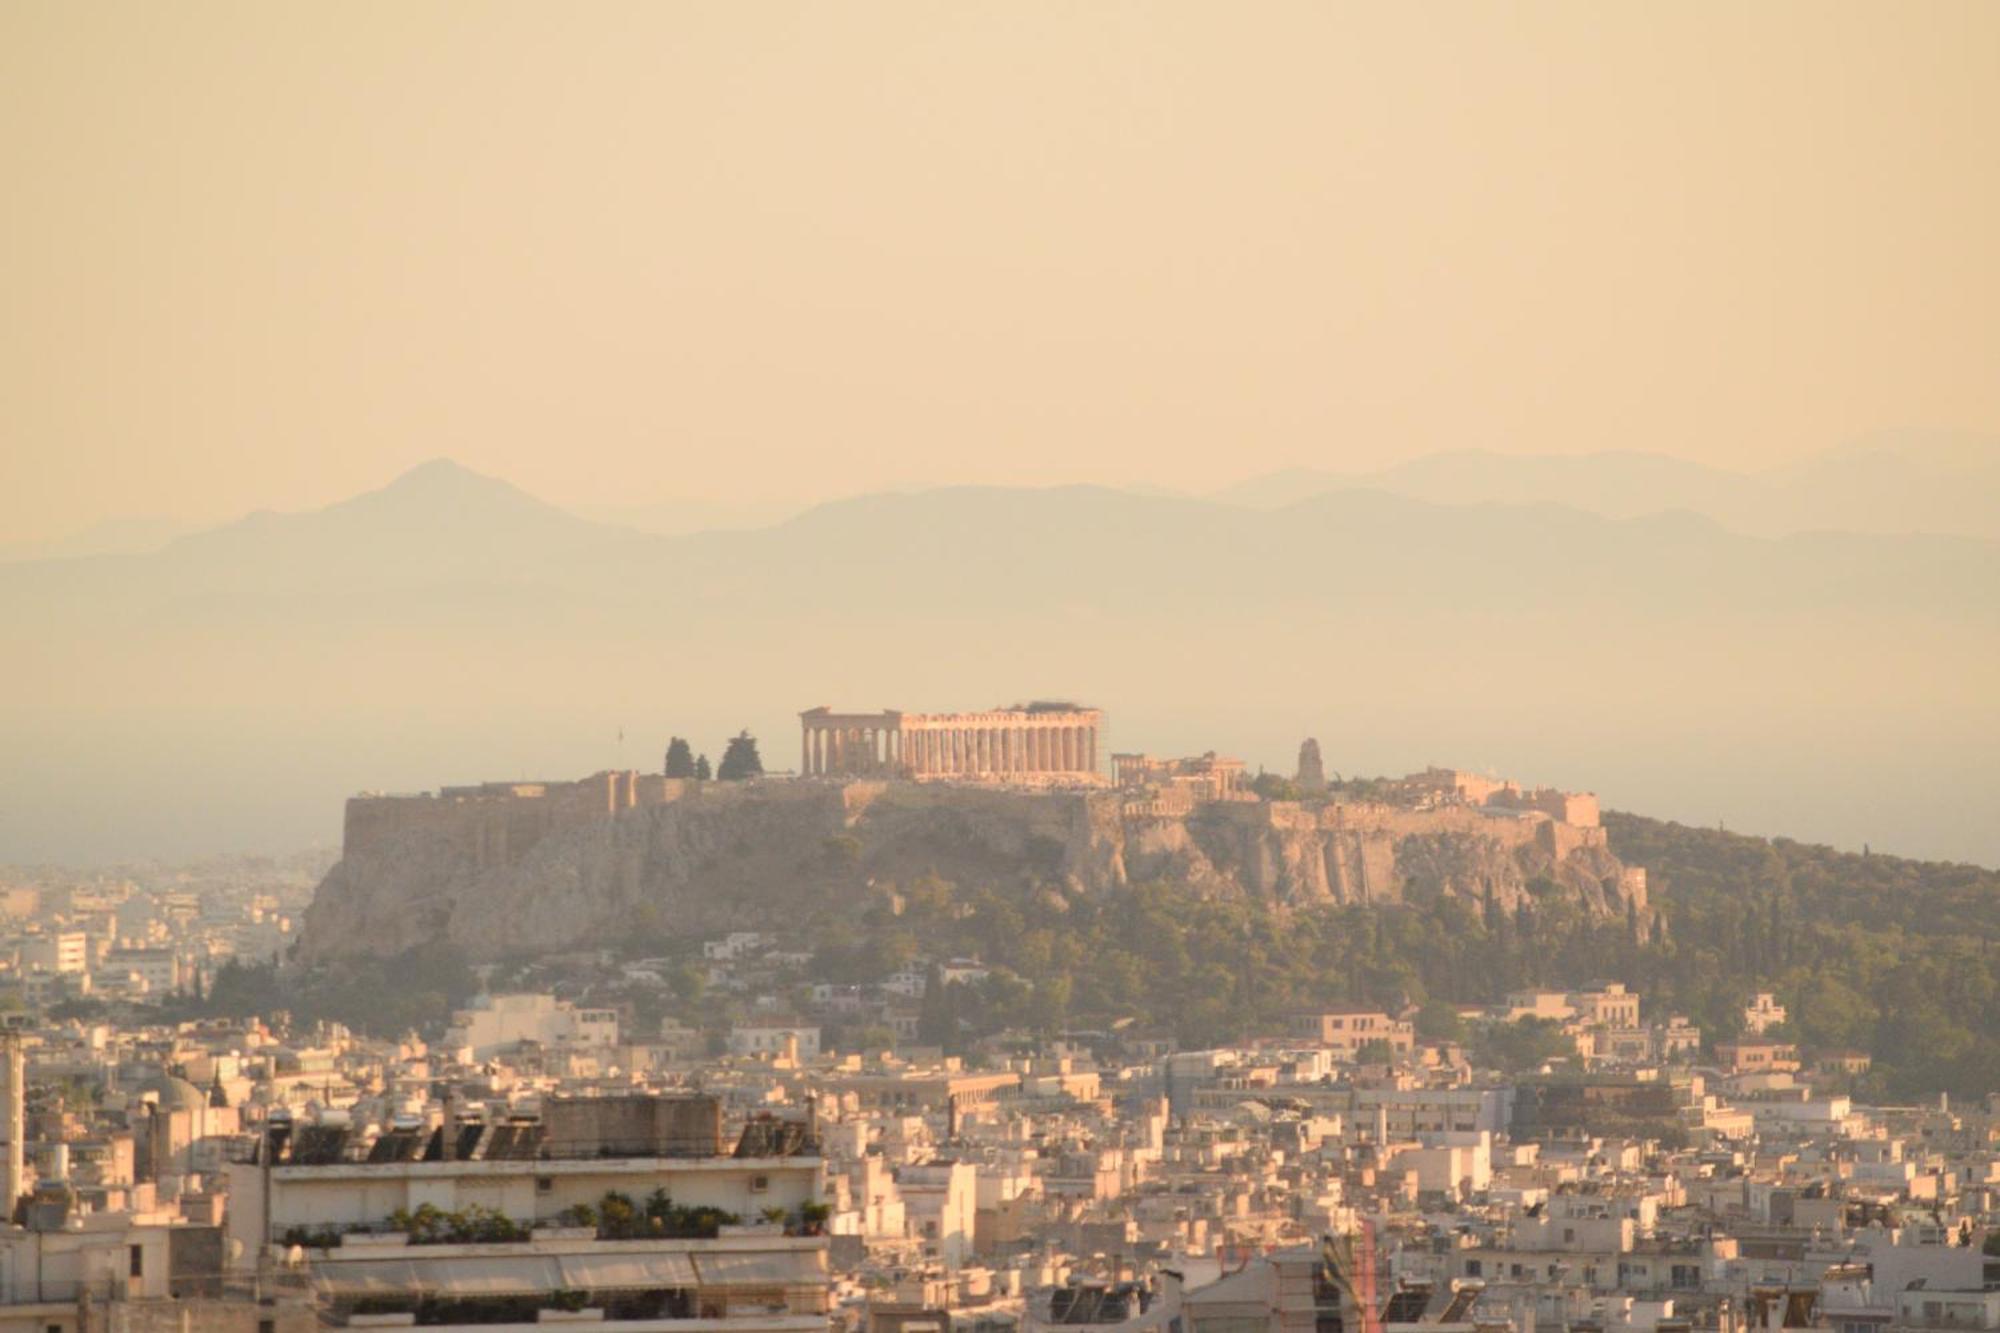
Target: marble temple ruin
1038, 743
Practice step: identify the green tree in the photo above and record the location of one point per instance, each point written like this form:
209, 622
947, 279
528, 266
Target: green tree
1525, 1044
702, 771
689, 983
1439, 1021
740, 760
680, 759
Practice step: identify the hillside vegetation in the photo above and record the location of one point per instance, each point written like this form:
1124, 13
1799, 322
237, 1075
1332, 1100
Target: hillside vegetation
1887, 955
1884, 954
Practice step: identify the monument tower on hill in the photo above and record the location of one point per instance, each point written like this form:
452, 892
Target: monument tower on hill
1312, 770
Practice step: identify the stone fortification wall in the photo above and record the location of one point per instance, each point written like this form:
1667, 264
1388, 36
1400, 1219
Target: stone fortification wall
510, 869
494, 823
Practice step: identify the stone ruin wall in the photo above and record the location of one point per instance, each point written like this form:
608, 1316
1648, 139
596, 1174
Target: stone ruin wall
495, 823
502, 867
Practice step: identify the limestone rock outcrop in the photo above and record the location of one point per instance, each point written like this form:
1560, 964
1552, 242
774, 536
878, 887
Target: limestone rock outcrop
505, 875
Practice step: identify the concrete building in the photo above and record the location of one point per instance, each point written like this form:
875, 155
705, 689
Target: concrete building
1762, 1013
496, 1023
1348, 1029
799, 1041
626, 1205
61, 951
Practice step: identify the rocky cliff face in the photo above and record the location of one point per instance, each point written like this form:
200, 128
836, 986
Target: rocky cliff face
498, 879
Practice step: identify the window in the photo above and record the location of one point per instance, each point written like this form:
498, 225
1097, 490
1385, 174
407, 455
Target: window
1472, 1268
138, 1261
545, 1184
758, 1184
267, 1326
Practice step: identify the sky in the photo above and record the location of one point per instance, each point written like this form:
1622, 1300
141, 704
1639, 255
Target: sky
271, 255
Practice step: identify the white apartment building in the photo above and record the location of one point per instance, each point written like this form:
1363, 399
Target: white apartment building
56, 951
496, 1023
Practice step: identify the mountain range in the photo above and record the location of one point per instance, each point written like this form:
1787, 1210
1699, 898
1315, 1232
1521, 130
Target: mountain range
1933, 482
1525, 616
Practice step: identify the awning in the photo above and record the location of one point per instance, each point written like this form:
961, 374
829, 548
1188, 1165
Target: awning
609, 1268
626, 1272
524, 1275
769, 1268
376, 1277
508, 1275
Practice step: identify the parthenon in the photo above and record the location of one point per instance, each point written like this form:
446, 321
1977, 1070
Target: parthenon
1036, 743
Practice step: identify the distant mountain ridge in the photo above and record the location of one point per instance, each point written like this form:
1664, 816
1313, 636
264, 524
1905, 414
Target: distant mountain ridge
1927, 483
231, 688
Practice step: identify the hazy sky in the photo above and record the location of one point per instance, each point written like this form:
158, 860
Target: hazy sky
270, 254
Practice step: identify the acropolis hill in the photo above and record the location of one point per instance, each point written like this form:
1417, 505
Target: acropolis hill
506, 869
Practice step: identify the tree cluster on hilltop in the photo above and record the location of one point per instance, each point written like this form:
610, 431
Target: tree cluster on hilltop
740, 760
